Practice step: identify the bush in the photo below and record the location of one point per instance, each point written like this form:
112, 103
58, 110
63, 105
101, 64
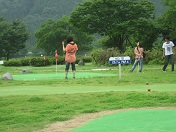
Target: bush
101, 57
98, 57
12, 62
155, 57
61, 60
85, 59
38, 62
25, 61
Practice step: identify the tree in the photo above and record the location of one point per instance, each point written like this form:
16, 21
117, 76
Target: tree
51, 34
3, 28
167, 20
12, 37
120, 20
171, 3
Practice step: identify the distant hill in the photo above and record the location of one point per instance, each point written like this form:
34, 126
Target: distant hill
33, 12
159, 7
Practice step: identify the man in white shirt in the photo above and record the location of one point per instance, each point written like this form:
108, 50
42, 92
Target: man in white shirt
168, 53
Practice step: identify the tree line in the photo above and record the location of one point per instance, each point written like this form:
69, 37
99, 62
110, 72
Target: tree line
119, 23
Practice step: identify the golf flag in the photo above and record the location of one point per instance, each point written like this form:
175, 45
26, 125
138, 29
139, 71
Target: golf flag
56, 55
44, 58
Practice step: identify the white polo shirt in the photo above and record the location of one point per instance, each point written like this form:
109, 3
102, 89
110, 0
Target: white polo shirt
168, 47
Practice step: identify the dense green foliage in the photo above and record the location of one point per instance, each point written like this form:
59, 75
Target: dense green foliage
39, 61
101, 57
137, 23
51, 34
98, 57
167, 20
34, 12
120, 20
12, 37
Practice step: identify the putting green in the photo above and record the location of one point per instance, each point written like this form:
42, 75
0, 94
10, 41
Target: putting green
133, 121
58, 76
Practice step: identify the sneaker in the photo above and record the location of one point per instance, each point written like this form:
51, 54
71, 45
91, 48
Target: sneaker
66, 77
73, 77
164, 71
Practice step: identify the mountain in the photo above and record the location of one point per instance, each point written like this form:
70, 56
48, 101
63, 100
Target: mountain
34, 12
159, 7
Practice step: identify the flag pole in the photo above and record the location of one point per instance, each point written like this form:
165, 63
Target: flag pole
56, 66
56, 56
44, 58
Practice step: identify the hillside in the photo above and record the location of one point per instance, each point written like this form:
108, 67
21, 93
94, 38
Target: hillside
159, 7
34, 12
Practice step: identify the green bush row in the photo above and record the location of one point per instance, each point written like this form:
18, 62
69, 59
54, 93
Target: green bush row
98, 57
39, 61
101, 57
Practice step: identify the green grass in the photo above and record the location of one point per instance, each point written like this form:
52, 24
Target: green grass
133, 121
29, 105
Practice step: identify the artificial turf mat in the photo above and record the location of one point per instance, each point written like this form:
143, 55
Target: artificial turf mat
58, 76
133, 121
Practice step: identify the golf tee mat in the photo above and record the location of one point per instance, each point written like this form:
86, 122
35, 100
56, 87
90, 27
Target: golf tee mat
133, 121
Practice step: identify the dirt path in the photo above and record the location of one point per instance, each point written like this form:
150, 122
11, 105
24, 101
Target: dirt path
83, 119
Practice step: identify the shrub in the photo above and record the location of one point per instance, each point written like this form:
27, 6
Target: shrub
12, 62
25, 61
38, 62
101, 57
85, 59
155, 57
61, 60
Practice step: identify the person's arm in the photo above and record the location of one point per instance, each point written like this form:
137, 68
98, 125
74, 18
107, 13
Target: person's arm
163, 55
173, 50
63, 46
163, 52
142, 51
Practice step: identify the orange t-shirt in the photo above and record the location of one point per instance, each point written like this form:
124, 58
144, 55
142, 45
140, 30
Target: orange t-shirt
71, 53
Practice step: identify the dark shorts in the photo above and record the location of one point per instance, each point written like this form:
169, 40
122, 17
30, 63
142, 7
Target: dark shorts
68, 66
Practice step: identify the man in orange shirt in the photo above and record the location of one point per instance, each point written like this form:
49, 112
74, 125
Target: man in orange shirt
70, 57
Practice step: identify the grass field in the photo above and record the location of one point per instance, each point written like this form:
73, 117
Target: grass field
41, 97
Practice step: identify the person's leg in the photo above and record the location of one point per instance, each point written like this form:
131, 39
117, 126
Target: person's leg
166, 62
135, 64
73, 70
141, 64
172, 62
66, 70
